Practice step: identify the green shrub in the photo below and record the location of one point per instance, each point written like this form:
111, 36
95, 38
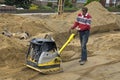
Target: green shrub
70, 9
49, 4
113, 9
68, 3
89, 1
46, 8
118, 6
33, 7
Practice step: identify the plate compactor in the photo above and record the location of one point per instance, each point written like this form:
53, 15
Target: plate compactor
43, 55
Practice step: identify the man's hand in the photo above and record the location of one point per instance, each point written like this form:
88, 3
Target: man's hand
77, 28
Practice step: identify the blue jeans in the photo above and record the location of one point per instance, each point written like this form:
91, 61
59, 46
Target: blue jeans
84, 35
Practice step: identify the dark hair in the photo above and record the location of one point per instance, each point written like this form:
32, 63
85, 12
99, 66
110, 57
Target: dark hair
85, 9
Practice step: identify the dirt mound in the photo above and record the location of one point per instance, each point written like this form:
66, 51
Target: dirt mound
102, 48
108, 43
11, 51
102, 19
17, 23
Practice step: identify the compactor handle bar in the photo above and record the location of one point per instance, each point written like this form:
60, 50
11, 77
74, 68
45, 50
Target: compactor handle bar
67, 42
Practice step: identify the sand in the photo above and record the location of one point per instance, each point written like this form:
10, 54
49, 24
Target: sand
103, 46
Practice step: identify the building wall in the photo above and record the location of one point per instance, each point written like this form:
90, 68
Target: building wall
81, 1
53, 1
45, 2
118, 2
111, 3
7, 9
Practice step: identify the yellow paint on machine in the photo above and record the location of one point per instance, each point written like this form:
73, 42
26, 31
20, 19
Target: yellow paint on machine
67, 42
43, 70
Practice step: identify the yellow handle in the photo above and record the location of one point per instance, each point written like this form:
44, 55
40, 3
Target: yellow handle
67, 42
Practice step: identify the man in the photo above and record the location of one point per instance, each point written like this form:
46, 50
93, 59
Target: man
82, 25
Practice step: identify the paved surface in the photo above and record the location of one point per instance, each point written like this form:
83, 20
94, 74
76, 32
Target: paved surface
116, 13
36, 14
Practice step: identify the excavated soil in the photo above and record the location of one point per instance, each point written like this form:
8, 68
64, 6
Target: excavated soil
103, 46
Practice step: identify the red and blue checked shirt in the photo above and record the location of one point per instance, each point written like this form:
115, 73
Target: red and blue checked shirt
82, 22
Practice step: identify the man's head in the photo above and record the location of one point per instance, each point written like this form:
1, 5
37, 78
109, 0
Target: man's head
84, 10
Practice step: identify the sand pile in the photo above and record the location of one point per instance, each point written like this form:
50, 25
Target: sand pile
16, 24
105, 42
11, 51
102, 19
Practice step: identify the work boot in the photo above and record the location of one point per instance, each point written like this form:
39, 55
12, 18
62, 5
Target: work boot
82, 62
